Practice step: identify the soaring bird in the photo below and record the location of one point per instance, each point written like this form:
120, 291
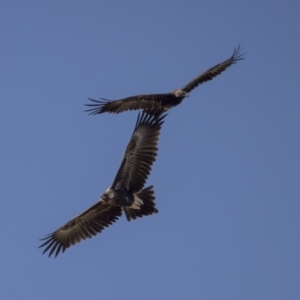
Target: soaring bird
127, 192
168, 100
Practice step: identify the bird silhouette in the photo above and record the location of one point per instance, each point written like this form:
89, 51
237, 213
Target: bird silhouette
127, 192
166, 101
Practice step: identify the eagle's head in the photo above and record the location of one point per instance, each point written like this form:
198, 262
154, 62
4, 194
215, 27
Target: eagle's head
108, 195
181, 94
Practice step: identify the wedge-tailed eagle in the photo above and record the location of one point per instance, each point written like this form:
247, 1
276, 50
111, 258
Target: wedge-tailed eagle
151, 101
127, 192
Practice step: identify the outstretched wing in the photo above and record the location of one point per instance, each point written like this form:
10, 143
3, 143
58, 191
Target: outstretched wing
141, 152
214, 71
86, 225
148, 102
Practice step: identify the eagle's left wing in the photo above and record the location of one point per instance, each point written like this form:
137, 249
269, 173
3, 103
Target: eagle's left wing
140, 153
214, 71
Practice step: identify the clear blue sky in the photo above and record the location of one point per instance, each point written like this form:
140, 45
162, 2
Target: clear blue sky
227, 176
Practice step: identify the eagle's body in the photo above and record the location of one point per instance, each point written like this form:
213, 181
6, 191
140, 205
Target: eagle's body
127, 193
165, 101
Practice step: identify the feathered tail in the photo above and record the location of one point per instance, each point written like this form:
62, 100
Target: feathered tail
147, 206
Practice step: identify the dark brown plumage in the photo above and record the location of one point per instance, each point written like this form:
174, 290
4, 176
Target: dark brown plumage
166, 101
126, 193
86, 225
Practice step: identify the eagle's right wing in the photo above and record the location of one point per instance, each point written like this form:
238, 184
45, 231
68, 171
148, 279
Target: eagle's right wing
86, 225
147, 102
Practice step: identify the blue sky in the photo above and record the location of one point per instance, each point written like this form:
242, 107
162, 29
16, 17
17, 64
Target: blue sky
228, 169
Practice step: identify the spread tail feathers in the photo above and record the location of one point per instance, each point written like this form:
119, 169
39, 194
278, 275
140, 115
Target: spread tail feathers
145, 209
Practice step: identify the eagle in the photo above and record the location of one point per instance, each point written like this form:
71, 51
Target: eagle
127, 192
166, 101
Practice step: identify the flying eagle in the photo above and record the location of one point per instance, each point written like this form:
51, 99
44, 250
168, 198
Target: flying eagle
127, 192
166, 101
